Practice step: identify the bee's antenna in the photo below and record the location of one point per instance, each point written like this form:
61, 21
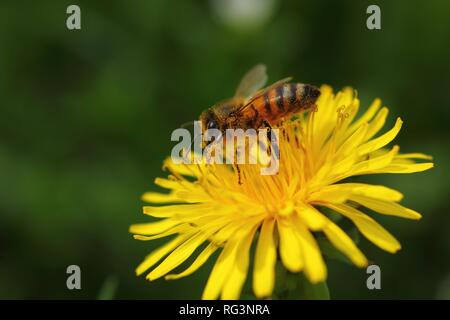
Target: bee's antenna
187, 124
209, 146
195, 139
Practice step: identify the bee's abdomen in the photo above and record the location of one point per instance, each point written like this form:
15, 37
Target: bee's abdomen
285, 100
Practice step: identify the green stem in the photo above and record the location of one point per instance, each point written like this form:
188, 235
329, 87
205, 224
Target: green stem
295, 286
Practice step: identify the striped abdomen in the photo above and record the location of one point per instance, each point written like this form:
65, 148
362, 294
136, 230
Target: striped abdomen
282, 102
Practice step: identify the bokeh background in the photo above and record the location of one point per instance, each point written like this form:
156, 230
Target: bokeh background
86, 118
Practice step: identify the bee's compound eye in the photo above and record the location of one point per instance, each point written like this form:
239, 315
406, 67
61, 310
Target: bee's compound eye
212, 124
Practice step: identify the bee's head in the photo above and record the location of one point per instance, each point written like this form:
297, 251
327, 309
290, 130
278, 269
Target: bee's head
209, 120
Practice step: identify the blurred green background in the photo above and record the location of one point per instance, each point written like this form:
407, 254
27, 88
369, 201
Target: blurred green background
86, 118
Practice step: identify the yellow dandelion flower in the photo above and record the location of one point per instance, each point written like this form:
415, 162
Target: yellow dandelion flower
207, 210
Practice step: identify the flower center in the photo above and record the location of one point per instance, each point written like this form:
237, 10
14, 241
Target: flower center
288, 209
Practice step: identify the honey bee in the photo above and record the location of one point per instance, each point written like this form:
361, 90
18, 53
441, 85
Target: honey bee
253, 107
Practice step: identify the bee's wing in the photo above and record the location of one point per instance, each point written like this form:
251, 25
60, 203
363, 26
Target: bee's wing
262, 91
252, 81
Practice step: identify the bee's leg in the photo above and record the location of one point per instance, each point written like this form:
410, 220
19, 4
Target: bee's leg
266, 124
269, 136
238, 170
236, 164
207, 154
236, 155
